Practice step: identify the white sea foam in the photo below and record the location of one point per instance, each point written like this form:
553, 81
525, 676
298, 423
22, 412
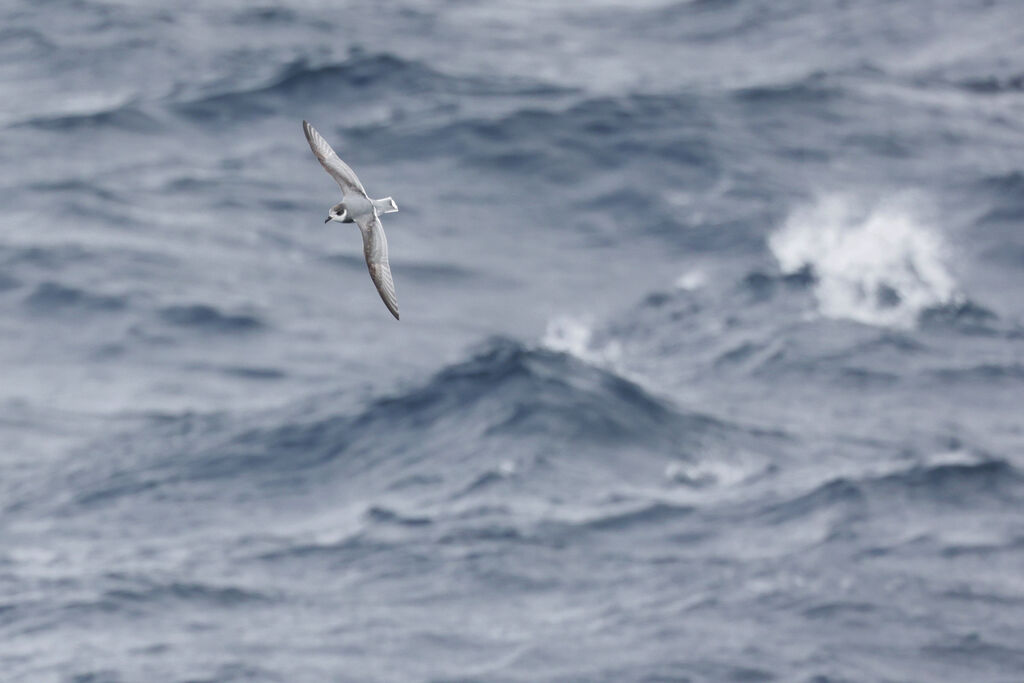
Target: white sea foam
879, 265
691, 280
575, 336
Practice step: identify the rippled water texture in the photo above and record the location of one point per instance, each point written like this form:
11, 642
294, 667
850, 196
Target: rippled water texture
710, 366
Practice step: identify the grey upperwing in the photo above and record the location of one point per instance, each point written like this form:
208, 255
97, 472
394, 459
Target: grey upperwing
332, 163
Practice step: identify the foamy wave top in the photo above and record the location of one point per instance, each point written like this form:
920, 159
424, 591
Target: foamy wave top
574, 336
879, 265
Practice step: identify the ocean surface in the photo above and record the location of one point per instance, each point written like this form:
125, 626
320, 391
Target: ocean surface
710, 366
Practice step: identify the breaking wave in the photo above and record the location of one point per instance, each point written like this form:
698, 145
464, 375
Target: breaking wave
877, 265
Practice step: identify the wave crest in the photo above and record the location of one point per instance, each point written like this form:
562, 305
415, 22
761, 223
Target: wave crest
878, 265
505, 393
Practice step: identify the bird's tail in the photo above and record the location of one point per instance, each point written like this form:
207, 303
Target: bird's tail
386, 205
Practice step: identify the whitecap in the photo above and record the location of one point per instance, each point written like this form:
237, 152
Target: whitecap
691, 280
574, 336
879, 265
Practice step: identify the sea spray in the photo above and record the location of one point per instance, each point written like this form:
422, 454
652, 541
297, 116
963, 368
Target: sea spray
878, 265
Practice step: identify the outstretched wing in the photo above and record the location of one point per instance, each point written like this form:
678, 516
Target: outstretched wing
375, 248
331, 162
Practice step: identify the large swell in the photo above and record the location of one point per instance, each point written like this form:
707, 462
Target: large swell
710, 362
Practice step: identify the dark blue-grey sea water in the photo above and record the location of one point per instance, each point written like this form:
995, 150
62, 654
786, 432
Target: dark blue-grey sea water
710, 366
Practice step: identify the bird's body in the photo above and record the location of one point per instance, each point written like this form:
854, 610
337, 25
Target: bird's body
357, 207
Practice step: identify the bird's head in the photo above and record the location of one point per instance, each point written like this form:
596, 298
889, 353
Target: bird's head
336, 213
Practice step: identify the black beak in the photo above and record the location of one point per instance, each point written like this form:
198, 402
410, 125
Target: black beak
327, 220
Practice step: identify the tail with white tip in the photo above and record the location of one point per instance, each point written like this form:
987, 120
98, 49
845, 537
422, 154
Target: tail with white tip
386, 205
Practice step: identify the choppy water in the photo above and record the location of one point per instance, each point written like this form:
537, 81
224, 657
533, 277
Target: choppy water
710, 367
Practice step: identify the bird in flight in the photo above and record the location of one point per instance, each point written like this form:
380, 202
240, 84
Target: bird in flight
357, 207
